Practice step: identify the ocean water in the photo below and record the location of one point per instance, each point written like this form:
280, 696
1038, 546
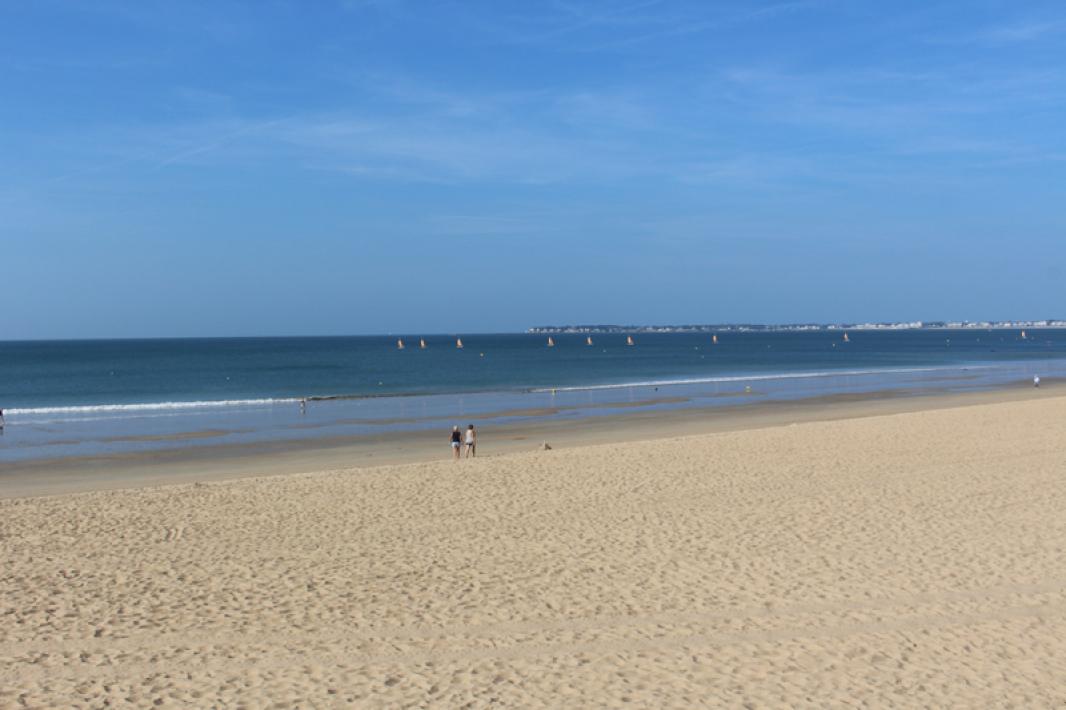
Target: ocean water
72, 398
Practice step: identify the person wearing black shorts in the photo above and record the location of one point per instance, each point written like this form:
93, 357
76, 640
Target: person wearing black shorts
457, 441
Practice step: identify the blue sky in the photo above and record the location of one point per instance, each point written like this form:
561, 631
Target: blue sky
373, 166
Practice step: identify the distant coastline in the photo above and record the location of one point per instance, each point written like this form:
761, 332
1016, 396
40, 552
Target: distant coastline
791, 327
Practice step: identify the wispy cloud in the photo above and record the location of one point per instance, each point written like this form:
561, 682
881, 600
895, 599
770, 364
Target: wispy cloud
750, 119
682, 26
217, 142
1004, 33
957, 108
594, 27
425, 150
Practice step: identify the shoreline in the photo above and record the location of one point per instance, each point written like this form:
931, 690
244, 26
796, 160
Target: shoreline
80, 474
902, 551
16, 412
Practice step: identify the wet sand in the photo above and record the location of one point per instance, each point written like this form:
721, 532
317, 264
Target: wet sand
224, 462
906, 552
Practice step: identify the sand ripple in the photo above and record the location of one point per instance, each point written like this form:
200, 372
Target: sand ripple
907, 560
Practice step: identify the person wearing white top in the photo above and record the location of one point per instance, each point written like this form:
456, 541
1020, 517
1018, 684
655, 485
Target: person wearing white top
471, 441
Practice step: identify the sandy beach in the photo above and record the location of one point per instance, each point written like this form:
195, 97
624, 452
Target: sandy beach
908, 557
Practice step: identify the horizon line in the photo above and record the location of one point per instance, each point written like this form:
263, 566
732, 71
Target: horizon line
1002, 324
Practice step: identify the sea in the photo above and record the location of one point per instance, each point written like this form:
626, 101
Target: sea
70, 398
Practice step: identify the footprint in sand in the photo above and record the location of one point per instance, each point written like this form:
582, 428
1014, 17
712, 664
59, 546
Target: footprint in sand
174, 534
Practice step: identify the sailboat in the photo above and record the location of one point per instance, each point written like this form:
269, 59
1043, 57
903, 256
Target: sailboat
846, 340
714, 339
588, 340
629, 340
1023, 335
422, 343
459, 343
399, 344
551, 343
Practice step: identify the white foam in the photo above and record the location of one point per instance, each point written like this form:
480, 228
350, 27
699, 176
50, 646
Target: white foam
162, 408
147, 406
754, 378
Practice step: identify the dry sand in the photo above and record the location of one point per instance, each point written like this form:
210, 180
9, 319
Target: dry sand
914, 559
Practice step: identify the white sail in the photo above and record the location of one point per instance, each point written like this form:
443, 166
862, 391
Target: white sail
422, 343
399, 344
551, 343
459, 342
588, 340
629, 340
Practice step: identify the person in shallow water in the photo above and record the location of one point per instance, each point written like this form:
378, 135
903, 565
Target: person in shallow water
471, 441
457, 439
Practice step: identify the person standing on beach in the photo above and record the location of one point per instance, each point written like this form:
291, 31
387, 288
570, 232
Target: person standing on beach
471, 441
1036, 380
457, 439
